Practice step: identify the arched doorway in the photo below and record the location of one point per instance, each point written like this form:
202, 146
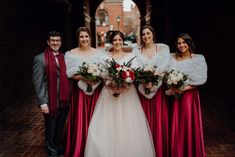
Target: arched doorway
91, 9
123, 15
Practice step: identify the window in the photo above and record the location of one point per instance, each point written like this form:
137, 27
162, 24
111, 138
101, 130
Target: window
102, 17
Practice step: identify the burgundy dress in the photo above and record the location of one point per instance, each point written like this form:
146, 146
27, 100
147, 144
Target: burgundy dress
156, 107
186, 128
186, 120
156, 111
81, 110
82, 106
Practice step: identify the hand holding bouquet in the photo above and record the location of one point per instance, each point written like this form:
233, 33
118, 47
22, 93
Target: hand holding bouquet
175, 80
117, 76
90, 73
149, 76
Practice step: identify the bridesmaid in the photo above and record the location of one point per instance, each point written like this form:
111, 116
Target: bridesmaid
82, 103
154, 104
186, 125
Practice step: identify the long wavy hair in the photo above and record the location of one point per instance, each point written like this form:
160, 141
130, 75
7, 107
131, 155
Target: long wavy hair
188, 39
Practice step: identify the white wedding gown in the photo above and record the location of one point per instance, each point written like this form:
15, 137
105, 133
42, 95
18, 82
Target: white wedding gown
119, 127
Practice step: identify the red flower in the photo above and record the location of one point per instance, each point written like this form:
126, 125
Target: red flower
117, 66
124, 75
132, 75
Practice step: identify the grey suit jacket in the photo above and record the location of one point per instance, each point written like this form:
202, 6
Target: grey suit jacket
40, 79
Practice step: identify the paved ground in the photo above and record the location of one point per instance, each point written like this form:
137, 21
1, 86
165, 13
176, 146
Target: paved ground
23, 133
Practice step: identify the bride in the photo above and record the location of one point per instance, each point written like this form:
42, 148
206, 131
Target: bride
118, 127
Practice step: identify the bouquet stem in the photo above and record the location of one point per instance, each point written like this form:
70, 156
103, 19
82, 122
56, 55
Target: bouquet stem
89, 88
147, 91
116, 94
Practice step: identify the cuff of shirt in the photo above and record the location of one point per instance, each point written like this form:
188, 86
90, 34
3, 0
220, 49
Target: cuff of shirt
43, 105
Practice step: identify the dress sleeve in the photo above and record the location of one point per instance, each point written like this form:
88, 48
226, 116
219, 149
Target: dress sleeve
164, 58
136, 49
170, 64
134, 63
71, 65
198, 75
137, 52
103, 55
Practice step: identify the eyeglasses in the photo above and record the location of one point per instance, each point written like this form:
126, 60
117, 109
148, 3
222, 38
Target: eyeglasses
53, 40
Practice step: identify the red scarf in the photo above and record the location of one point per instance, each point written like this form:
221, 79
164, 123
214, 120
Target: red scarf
51, 73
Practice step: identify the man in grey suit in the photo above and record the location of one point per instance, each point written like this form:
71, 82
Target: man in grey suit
52, 91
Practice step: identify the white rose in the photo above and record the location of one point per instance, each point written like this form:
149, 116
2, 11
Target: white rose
108, 82
180, 76
119, 68
157, 73
125, 68
174, 79
104, 74
96, 72
91, 70
169, 82
128, 80
175, 82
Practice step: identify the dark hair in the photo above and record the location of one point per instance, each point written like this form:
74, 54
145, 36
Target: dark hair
54, 34
114, 34
82, 29
188, 39
151, 29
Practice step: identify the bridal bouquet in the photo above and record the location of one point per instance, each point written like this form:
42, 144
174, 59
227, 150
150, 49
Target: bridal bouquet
175, 79
90, 72
148, 74
116, 75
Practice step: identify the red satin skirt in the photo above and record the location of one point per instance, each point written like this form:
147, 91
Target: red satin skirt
186, 126
157, 111
81, 110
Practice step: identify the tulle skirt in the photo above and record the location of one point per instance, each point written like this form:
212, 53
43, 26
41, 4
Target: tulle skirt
157, 113
186, 126
119, 127
81, 110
